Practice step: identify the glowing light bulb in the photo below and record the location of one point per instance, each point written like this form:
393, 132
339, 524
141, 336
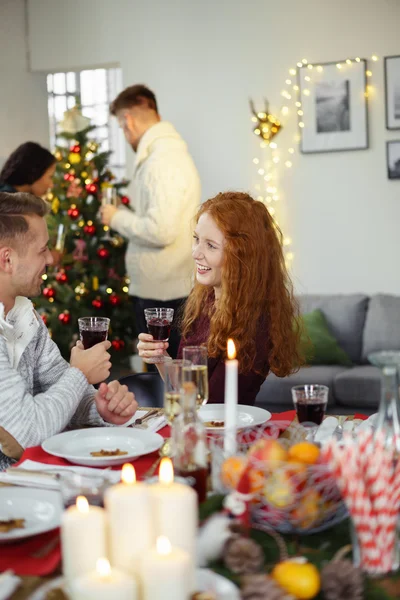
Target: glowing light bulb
284, 110
301, 124
300, 113
292, 71
306, 92
339, 66
291, 150
304, 61
298, 104
288, 81
348, 61
368, 73
299, 64
288, 164
374, 57
310, 67
296, 88
358, 59
320, 68
256, 161
307, 78
273, 145
261, 171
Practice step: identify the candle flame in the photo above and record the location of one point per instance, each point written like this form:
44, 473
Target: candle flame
163, 545
166, 471
82, 504
128, 474
231, 349
103, 567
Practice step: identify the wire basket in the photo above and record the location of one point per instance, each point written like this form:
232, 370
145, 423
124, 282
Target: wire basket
289, 496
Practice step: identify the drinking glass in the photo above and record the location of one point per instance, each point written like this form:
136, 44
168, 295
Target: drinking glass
310, 402
197, 371
173, 379
93, 330
109, 196
92, 487
159, 323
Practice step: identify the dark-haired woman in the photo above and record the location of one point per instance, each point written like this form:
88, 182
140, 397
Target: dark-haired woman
30, 168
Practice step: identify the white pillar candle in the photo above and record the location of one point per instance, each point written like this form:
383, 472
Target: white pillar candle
166, 572
83, 538
129, 512
231, 400
175, 512
103, 584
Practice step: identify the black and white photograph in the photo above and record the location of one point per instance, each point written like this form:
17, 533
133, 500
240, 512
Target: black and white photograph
333, 107
393, 159
392, 91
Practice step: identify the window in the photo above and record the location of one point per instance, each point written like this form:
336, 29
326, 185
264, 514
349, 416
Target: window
94, 89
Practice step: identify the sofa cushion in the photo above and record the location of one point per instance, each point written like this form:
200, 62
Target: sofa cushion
277, 390
345, 315
359, 387
382, 325
324, 349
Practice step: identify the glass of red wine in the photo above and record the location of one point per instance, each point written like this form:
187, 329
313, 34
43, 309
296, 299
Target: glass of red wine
93, 330
159, 322
310, 402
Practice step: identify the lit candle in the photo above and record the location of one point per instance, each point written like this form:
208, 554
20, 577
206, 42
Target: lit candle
103, 584
83, 538
129, 512
166, 572
231, 399
175, 512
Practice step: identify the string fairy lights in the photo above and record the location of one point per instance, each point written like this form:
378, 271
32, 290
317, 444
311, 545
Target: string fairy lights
274, 156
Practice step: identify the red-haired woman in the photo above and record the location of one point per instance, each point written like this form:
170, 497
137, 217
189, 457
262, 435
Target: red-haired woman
242, 291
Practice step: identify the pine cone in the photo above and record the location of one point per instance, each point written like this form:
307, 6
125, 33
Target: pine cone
341, 580
243, 555
261, 587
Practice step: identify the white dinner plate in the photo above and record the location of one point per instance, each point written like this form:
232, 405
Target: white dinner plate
76, 446
206, 580
41, 510
247, 416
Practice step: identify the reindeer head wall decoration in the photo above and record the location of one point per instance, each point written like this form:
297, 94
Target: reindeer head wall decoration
267, 126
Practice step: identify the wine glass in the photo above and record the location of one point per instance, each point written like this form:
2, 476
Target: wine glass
109, 196
173, 379
197, 371
310, 402
159, 323
93, 330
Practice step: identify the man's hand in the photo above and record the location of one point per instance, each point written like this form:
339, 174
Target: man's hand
94, 363
114, 403
107, 213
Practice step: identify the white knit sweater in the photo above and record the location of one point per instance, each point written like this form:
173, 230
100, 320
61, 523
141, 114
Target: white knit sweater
166, 196
43, 394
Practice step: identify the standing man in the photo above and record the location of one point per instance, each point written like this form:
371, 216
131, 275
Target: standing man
166, 196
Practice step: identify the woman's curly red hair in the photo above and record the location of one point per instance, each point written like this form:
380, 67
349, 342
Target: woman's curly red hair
255, 287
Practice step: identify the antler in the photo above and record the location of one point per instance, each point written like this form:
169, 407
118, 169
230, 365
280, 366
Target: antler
253, 110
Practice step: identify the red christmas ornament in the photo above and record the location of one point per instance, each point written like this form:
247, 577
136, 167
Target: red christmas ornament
97, 303
69, 177
115, 300
66, 177
73, 213
89, 229
44, 319
91, 188
61, 277
64, 317
76, 149
118, 344
125, 200
49, 292
103, 252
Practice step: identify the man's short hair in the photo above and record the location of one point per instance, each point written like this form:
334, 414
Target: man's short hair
135, 95
13, 210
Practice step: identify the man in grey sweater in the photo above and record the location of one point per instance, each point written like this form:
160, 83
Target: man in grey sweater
40, 393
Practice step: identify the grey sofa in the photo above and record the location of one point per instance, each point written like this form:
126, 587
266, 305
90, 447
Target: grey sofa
361, 325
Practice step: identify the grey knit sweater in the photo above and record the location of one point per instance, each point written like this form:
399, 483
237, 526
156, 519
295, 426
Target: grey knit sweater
44, 395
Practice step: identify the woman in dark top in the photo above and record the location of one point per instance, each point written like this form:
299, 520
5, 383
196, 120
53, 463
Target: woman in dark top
30, 168
243, 292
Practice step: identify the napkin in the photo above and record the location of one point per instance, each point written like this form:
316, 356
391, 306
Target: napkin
153, 424
37, 480
326, 429
8, 584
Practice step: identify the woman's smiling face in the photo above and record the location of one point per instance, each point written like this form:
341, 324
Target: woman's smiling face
208, 252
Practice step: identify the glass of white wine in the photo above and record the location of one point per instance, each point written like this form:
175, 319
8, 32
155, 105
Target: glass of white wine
173, 380
197, 371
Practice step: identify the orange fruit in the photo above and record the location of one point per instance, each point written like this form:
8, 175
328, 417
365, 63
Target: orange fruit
231, 470
301, 579
304, 452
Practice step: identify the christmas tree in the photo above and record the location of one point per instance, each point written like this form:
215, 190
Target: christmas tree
89, 278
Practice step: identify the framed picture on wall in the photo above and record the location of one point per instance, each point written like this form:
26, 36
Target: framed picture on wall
333, 113
392, 91
393, 159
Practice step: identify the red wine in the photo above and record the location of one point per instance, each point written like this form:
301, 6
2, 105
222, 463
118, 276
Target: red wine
159, 329
91, 337
311, 412
93, 500
199, 477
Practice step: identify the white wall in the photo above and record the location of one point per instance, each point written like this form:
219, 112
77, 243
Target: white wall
23, 95
205, 58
